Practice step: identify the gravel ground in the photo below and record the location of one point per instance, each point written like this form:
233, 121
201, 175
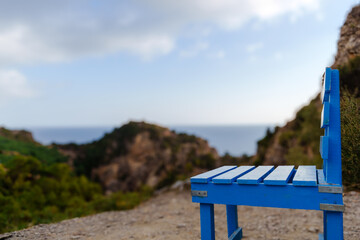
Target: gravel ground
172, 215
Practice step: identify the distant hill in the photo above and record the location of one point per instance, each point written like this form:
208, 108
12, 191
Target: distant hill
20, 142
18, 135
298, 141
138, 154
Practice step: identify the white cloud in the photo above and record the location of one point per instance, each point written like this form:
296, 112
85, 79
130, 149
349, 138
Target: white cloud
22, 45
231, 14
194, 50
14, 85
52, 31
147, 48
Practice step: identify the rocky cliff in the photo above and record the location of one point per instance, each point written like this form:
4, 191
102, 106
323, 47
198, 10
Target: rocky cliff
140, 154
348, 46
298, 141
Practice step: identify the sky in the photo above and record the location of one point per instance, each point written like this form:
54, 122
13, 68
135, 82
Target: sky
190, 62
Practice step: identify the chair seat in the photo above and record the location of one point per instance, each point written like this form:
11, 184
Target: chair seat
269, 175
265, 186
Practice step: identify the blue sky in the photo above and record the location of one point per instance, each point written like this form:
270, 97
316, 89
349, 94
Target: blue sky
191, 62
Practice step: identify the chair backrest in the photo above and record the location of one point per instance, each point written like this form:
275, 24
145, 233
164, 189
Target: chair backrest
330, 143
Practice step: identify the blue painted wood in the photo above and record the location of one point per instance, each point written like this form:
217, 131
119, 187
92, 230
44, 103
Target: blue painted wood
324, 147
325, 115
325, 92
207, 176
255, 176
237, 235
305, 176
332, 171
261, 195
280, 176
321, 177
333, 225
207, 221
321, 236
230, 176
232, 219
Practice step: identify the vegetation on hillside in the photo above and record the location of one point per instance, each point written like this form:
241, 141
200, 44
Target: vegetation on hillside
35, 187
350, 122
304, 137
10, 147
350, 139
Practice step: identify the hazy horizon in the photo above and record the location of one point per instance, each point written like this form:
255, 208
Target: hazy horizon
233, 139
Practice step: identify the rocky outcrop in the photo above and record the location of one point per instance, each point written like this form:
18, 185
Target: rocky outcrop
19, 135
349, 41
140, 154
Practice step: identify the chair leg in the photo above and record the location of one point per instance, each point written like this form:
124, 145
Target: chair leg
207, 221
234, 232
333, 225
232, 218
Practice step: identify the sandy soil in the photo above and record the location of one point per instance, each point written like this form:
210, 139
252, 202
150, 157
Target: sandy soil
172, 215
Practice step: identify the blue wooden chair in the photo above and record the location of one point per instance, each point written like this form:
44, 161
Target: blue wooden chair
283, 186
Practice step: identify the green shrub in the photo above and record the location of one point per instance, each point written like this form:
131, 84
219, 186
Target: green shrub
350, 139
32, 192
286, 137
170, 178
10, 148
206, 161
296, 156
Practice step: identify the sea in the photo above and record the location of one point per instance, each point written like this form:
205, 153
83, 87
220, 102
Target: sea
235, 139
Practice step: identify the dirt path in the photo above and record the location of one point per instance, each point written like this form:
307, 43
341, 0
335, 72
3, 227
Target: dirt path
171, 215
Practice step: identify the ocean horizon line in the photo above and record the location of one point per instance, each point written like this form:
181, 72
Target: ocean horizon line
117, 126
233, 139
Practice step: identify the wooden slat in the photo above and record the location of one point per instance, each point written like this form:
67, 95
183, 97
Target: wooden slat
207, 176
305, 176
324, 147
325, 92
280, 176
325, 115
230, 176
255, 176
321, 177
